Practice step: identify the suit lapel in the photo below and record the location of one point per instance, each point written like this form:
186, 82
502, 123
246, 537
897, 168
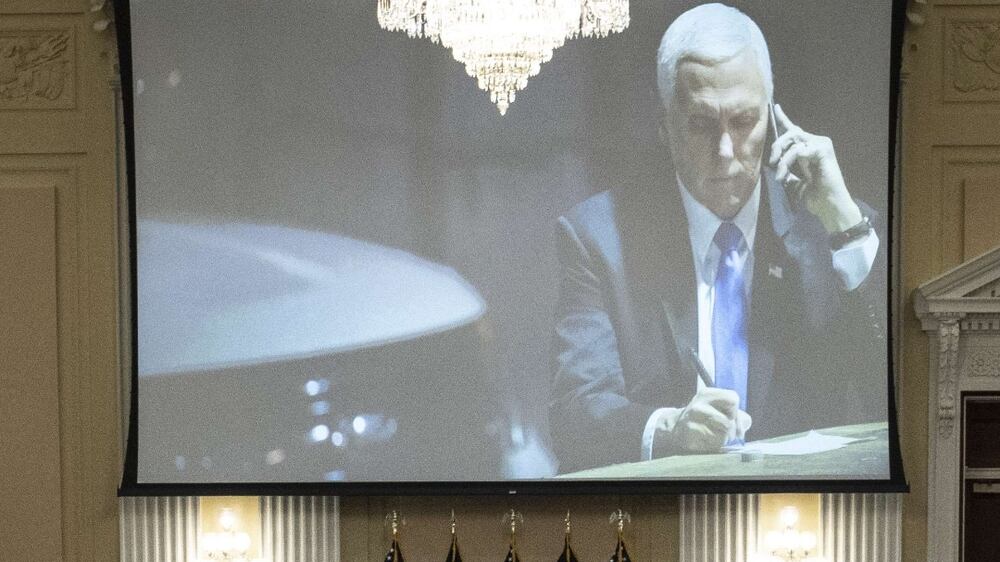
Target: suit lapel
667, 274
657, 255
659, 251
774, 279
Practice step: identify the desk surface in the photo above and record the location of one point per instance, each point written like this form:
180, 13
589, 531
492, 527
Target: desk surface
867, 459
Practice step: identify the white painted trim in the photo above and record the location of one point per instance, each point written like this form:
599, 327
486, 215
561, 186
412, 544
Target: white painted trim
950, 318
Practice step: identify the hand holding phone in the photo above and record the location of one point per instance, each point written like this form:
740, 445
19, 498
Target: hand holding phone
806, 165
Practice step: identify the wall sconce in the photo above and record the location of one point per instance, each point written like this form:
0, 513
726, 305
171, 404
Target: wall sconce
789, 544
229, 545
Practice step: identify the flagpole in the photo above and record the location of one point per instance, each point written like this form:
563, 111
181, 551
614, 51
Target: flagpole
515, 518
454, 537
619, 517
568, 530
395, 520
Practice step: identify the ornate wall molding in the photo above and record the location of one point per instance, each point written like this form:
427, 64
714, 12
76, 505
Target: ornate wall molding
948, 333
984, 362
37, 69
961, 316
974, 49
980, 324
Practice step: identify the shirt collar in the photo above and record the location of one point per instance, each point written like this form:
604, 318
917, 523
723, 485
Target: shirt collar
703, 223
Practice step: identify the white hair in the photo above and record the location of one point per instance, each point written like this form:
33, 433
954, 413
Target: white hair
710, 33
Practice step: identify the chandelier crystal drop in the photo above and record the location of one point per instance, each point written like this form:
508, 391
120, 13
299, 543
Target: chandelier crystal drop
502, 43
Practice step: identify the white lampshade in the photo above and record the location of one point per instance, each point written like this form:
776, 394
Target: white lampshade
772, 540
210, 542
790, 539
808, 540
242, 542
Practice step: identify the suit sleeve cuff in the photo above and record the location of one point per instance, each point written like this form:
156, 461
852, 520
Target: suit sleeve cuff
662, 417
854, 261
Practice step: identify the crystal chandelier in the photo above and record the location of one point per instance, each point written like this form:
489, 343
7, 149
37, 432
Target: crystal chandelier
502, 43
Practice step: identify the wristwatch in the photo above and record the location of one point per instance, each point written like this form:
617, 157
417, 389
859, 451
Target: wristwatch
856, 232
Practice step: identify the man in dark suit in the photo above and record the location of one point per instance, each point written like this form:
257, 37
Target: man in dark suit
750, 258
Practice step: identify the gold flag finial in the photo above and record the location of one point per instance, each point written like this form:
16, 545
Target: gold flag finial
453, 522
395, 520
568, 523
514, 518
619, 518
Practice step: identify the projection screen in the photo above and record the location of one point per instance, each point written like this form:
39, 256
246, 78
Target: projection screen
666, 264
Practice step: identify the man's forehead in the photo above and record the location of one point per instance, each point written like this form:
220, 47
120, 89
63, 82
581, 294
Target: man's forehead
710, 104
734, 81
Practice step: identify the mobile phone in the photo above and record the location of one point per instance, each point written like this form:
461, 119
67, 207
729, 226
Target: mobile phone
792, 183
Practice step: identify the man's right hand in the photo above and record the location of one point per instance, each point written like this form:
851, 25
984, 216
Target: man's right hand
710, 419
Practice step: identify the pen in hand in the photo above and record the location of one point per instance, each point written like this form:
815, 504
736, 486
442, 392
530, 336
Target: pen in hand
699, 368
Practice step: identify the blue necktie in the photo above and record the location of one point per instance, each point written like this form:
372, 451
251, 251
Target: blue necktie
729, 315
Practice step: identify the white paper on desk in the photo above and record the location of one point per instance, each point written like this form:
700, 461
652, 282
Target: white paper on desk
812, 442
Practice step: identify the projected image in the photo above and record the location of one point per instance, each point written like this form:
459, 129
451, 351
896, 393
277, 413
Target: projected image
666, 259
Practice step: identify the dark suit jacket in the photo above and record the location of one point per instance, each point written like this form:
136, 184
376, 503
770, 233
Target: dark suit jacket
628, 311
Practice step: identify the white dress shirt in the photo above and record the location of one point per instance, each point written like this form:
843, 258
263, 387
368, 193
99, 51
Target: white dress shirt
852, 263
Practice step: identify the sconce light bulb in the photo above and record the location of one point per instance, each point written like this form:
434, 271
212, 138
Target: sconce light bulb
789, 515
227, 519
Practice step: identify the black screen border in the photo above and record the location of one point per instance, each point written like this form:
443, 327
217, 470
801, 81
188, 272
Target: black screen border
131, 487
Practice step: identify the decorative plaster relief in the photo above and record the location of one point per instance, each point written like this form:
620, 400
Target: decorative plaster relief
983, 362
980, 347
972, 67
979, 323
948, 331
37, 69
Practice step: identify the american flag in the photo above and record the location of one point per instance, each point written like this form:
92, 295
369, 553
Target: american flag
394, 554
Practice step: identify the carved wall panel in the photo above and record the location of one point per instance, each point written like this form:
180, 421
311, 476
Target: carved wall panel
964, 199
37, 69
972, 50
982, 199
57, 117
29, 381
981, 348
36, 7
983, 362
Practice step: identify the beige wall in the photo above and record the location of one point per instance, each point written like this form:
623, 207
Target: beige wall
950, 205
59, 436
57, 169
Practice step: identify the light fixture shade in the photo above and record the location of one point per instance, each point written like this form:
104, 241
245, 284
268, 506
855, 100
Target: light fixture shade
808, 540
